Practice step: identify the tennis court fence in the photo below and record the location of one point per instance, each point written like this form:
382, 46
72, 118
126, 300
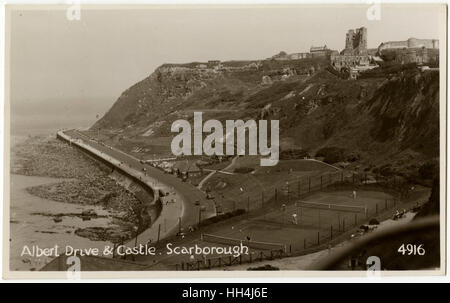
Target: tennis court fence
251, 244
225, 261
299, 187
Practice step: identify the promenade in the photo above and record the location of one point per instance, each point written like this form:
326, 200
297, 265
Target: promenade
179, 207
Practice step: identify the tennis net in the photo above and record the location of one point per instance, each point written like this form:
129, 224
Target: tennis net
332, 207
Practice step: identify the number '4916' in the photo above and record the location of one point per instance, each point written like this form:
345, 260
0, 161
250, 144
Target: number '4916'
411, 249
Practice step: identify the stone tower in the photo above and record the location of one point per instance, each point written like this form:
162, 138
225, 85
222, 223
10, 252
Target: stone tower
349, 39
356, 41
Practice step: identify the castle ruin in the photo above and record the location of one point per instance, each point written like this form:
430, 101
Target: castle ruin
355, 54
355, 42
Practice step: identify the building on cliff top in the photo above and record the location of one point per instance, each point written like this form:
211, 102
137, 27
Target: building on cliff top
212, 63
284, 56
414, 55
320, 51
314, 52
410, 43
420, 51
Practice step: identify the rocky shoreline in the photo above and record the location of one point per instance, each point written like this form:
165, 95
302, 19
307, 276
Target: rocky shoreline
86, 183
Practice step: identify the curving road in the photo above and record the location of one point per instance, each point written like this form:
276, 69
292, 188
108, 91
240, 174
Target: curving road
200, 185
184, 194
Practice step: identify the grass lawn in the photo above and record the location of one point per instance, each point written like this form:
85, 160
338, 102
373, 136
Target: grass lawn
233, 191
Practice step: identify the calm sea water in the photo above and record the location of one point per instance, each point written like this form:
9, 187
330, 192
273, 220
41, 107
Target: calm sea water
36, 117
46, 124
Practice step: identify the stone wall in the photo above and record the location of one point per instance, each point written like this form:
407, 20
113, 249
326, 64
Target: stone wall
413, 55
347, 61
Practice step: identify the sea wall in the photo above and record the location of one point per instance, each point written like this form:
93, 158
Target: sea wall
143, 191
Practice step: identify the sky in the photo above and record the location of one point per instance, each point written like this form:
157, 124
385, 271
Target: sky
86, 64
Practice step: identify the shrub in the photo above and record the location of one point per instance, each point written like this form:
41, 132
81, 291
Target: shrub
331, 154
374, 221
429, 169
386, 170
289, 154
243, 170
352, 157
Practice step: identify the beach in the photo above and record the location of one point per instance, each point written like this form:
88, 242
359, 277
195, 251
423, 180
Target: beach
42, 213
29, 228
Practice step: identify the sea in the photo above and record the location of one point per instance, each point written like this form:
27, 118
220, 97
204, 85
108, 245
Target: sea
27, 226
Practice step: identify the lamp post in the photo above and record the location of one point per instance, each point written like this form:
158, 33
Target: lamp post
287, 184
242, 195
136, 235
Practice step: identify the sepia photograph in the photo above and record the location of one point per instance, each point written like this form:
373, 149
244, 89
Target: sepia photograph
225, 140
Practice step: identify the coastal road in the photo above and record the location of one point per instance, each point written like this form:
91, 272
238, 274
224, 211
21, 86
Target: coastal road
185, 194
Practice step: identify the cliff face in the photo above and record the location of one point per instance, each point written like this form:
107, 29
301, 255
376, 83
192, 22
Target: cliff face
154, 96
389, 117
407, 110
171, 88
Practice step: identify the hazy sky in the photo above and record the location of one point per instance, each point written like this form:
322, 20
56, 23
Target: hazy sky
98, 57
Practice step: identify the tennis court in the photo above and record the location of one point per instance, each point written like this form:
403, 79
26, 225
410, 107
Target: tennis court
318, 215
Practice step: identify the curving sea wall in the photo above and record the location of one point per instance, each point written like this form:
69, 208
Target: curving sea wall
143, 192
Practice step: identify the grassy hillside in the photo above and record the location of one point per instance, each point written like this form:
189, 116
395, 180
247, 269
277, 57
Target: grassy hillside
373, 124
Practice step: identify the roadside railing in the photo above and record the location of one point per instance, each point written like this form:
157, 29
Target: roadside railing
225, 261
